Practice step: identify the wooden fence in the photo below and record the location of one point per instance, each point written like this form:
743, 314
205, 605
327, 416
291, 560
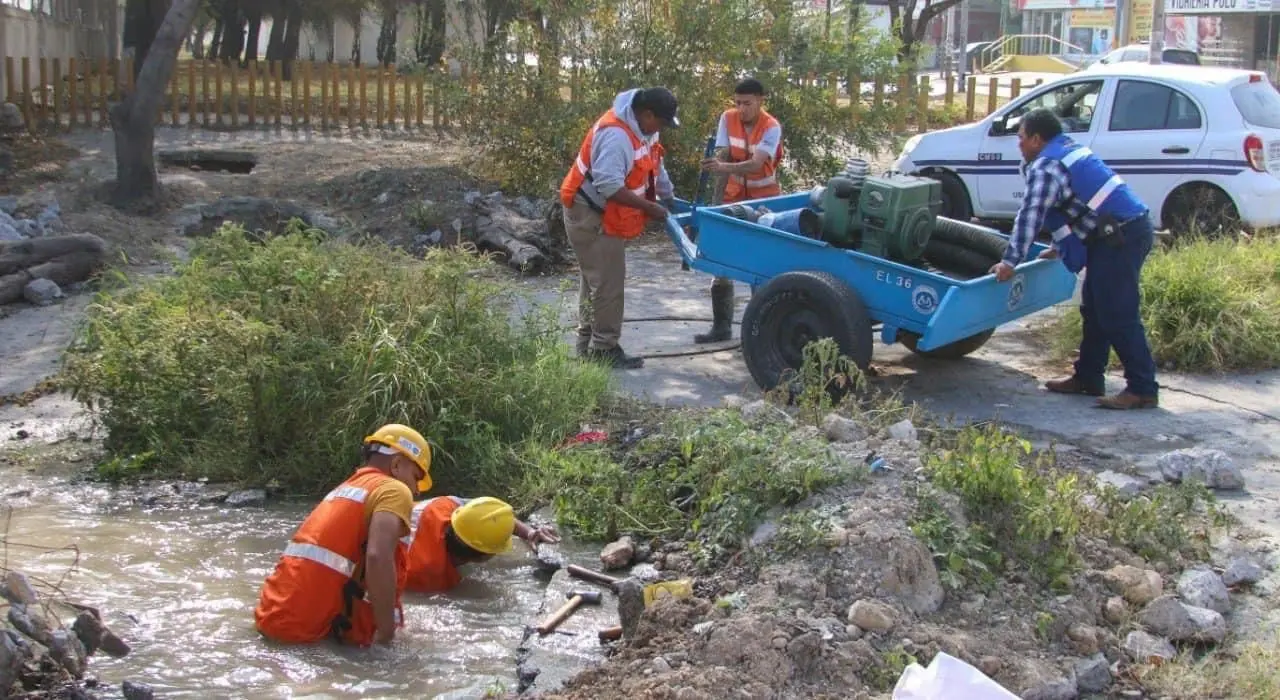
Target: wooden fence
75, 93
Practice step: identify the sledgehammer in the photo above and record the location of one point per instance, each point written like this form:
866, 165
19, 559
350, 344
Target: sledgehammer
576, 598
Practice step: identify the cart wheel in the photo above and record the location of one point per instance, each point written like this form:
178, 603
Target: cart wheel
950, 351
792, 310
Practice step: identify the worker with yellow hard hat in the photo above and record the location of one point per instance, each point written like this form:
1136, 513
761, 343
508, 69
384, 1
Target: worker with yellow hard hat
343, 573
449, 532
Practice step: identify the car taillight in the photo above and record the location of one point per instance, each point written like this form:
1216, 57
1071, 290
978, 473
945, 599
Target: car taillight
1254, 154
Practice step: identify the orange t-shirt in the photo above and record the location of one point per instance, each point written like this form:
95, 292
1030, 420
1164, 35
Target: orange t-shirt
428, 567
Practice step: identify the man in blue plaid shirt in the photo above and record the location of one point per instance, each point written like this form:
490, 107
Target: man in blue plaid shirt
1097, 222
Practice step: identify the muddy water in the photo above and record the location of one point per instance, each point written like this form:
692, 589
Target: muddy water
179, 584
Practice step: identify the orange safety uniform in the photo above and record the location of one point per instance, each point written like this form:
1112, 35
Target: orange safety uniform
618, 219
763, 182
316, 590
429, 568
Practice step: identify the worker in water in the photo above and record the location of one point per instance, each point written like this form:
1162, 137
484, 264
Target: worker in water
748, 149
1098, 223
611, 191
450, 532
342, 574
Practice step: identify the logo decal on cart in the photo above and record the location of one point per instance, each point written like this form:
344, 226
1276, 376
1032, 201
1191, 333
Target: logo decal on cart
1016, 291
925, 300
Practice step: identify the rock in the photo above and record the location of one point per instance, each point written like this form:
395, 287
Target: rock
9, 233
248, 497
1242, 571
1210, 467
646, 573
1125, 484
1144, 647
617, 555
990, 665
69, 652
470, 198
382, 198
7, 161
904, 430
763, 410
1171, 618
1084, 638
12, 656
426, 239
17, 589
837, 428
734, 401
660, 665
32, 625
29, 228
254, 213
42, 292
630, 605
872, 615
88, 628
1056, 689
1093, 675
8, 205
134, 690
1203, 588
113, 645
764, 533
1138, 586
11, 117
1114, 610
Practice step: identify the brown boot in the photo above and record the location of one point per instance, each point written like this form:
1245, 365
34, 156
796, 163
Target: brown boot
1126, 400
1074, 385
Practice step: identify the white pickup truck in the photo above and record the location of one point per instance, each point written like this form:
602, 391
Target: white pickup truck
1199, 145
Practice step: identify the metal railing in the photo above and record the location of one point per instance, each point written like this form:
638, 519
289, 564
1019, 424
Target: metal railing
1025, 45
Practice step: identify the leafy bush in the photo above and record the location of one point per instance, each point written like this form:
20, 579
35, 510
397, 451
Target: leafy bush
707, 475
531, 132
1208, 305
1026, 513
271, 360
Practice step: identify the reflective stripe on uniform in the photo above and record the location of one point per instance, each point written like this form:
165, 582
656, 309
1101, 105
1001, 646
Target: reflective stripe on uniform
736, 142
1105, 191
351, 493
1061, 233
322, 556
763, 182
1070, 159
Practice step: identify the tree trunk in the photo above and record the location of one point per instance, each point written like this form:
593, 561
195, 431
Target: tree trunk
251, 41
331, 54
196, 42
387, 35
292, 36
232, 31
133, 119
215, 44
355, 20
141, 20
275, 39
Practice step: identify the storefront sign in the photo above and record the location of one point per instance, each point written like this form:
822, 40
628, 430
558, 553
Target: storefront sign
1093, 19
1217, 7
1036, 5
1140, 26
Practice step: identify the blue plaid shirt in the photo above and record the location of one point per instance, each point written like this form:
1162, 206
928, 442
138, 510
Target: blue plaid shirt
1048, 187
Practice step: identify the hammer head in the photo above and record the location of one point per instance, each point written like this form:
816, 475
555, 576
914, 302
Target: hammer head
588, 597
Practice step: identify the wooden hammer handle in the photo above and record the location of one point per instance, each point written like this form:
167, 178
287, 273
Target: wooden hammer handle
551, 623
594, 576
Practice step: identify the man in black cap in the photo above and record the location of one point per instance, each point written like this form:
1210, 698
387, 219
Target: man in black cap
611, 191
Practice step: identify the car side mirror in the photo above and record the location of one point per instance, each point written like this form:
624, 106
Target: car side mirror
1000, 126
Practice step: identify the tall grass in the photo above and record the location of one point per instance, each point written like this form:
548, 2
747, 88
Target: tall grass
270, 360
1208, 306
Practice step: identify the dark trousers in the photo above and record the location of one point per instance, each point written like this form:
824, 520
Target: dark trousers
1110, 311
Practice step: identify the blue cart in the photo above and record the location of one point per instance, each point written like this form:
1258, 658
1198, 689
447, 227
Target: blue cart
804, 289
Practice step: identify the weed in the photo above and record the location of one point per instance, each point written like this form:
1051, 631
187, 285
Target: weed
1162, 523
272, 359
1207, 305
801, 530
963, 555
884, 675
1249, 672
1044, 626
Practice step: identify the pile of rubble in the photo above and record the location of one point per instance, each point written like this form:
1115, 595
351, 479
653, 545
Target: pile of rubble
36, 258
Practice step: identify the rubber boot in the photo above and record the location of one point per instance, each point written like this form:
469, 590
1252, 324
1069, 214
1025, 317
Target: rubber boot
721, 315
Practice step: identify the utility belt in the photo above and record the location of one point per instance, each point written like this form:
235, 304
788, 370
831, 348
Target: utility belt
1111, 230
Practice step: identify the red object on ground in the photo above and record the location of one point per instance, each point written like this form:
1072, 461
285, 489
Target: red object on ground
588, 437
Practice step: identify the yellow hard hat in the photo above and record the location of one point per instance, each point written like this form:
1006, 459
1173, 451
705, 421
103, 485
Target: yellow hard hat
485, 524
409, 443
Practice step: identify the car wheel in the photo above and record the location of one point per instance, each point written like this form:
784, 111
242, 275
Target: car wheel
955, 196
1201, 210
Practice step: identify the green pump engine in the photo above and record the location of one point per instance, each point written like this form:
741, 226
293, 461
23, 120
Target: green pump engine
890, 217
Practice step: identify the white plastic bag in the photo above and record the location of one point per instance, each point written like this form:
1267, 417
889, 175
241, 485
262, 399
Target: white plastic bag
948, 678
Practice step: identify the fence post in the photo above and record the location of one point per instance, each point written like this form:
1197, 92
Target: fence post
175, 101
970, 98
277, 77
44, 80
1015, 89
392, 77
217, 91
364, 97
253, 93
922, 103
104, 70
73, 85
380, 111
235, 94
324, 94
88, 92
950, 98
335, 85
422, 97
191, 93
10, 74
306, 93
436, 107
993, 89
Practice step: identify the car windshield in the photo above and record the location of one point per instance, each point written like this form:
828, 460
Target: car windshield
1259, 103
1181, 56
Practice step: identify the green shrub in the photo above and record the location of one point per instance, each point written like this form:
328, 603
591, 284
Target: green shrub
270, 360
706, 475
1208, 305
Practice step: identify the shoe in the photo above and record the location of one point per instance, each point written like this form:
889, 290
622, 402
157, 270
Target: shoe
616, 358
721, 317
1073, 385
584, 342
1126, 400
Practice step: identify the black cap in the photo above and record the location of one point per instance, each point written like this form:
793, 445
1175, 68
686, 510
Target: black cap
661, 102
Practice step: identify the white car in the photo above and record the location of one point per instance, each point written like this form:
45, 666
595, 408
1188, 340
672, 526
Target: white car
1199, 145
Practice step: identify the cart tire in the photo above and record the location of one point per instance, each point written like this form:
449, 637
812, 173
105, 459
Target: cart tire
950, 351
979, 239
954, 257
793, 309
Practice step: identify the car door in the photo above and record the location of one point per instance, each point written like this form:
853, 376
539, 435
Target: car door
999, 177
1151, 137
